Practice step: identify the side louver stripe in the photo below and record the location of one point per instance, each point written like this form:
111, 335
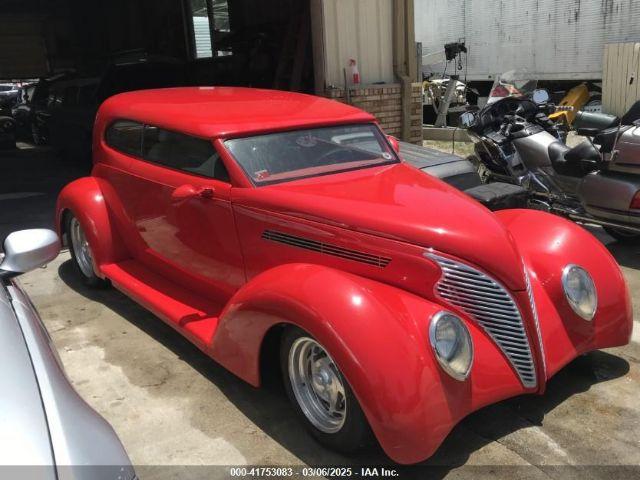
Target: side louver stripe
326, 248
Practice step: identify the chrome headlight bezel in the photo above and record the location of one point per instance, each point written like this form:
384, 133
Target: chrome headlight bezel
591, 291
463, 341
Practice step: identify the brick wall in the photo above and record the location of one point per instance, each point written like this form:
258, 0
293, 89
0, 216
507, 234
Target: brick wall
385, 103
416, 113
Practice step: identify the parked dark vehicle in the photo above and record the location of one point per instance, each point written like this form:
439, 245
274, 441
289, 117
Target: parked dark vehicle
32, 100
7, 133
44, 421
62, 120
597, 181
8, 96
65, 119
20, 111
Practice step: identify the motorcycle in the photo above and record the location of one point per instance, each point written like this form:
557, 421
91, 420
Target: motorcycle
595, 182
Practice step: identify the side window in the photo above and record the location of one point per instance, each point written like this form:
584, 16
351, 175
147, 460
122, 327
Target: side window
183, 152
125, 136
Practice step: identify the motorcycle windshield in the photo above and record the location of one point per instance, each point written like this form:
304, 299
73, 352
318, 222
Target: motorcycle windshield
514, 83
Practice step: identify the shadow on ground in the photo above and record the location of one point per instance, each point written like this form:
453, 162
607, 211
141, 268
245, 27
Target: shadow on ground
627, 255
268, 407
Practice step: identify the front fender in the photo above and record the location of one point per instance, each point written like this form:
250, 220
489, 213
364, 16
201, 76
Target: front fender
378, 335
84, 198
555, 244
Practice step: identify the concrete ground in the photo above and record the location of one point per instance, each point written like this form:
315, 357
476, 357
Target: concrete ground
171, 405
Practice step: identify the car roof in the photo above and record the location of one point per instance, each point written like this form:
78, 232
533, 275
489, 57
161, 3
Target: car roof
213, 112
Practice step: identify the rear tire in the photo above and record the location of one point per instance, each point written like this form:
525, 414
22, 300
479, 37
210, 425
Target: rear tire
322, 398
623, 236
81, 253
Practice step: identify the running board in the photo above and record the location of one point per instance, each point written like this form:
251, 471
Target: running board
192, 315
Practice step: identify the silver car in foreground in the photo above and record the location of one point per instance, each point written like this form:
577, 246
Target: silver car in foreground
46, 430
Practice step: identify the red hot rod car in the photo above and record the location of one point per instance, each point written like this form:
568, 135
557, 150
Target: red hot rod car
399, 305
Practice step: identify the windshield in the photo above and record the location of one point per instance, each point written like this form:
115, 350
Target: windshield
282, 157
514, 83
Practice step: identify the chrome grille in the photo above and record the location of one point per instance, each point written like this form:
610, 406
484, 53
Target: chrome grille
492, 307
534, 310
326, 248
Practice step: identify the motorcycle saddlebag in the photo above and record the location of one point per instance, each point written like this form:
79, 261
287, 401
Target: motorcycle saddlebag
600, 121
499, 196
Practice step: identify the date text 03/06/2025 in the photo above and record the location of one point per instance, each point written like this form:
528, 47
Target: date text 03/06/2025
313, 472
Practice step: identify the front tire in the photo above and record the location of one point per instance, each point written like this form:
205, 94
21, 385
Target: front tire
81, 253
623, 236
322, 398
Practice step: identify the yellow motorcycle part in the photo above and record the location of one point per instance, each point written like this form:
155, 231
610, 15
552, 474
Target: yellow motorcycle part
577, 98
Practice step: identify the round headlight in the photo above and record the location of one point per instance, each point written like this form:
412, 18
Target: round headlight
580, 291
451, 342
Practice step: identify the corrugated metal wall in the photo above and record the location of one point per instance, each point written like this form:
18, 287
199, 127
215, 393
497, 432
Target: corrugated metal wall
359, 29
620, 79
552, 39
202, 35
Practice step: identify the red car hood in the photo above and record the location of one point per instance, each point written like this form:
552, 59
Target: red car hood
401, 203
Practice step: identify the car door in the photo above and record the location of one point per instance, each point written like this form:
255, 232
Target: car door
179, 201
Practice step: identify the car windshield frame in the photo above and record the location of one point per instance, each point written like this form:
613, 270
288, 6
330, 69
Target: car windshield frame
312, 171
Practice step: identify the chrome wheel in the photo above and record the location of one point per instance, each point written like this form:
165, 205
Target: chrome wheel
81, 248
317, 385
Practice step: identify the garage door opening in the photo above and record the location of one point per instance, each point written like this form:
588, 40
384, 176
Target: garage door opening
263, 44
92, 50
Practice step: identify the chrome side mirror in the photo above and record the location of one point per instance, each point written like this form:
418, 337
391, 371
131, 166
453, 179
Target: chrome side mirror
395, 143
27, 250
467, 119
540, 96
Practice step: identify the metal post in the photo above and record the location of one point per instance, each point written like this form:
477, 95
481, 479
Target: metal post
212, 25
443, 109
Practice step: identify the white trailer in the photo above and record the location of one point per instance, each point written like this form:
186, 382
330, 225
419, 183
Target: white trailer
551, 39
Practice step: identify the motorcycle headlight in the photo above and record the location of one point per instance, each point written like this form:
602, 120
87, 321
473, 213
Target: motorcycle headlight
451, 343
580, 291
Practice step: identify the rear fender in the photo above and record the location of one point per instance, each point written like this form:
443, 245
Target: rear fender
555, 244
85, 200
378, 335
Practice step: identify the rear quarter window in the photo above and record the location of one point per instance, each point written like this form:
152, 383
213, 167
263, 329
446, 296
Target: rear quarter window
183, 152
125, 136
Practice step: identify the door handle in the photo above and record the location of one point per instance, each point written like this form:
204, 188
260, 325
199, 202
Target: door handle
206, 192
185, 192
